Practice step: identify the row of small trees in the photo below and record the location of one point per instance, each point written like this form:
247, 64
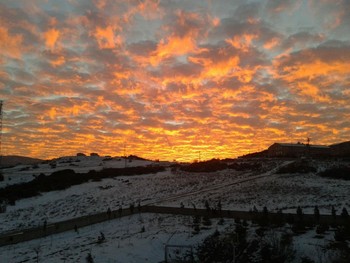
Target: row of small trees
63, 179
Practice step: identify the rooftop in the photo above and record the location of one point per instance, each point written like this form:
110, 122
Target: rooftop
303, 145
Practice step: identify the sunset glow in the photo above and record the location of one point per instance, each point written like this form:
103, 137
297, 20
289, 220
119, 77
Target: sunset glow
172, 79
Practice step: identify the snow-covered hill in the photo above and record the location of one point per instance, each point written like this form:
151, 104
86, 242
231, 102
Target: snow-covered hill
12, 160
80, 164
236, 190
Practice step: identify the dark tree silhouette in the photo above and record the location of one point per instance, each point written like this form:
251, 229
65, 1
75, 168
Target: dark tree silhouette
109, 213
344, 213
334, 212
265, 211
317, 213
206, 204
219, 206
89, 258
131, 208
299, 213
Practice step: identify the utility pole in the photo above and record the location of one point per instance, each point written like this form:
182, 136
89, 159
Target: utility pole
124, 156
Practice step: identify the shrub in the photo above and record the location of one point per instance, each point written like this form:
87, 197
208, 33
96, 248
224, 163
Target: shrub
245, 166
215, 248
205, 167
321, 229
206, 221
337, 172
297, 167
342, 233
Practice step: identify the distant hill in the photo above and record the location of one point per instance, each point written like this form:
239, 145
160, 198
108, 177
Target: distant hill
12, 160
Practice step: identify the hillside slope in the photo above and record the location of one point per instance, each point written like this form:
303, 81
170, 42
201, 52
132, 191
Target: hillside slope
12, 160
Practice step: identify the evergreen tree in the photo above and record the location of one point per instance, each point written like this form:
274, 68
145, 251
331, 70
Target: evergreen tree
109, 213
196, 222
334, 212
89, 258
317, 213
139, 207
299, 213
206, 221
344, 213
131, 208
265, 211
219, 206
206, 204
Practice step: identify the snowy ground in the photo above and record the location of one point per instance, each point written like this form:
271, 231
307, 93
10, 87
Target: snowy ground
236, 190
142, 238
125, 242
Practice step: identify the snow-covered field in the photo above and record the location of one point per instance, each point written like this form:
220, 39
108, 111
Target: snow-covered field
124, 241
236, 190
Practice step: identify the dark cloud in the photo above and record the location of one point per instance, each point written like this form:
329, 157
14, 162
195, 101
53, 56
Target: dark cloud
248, 11
279, 6
143, 48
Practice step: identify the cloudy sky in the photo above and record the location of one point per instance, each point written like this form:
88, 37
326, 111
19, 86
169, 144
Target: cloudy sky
172, 79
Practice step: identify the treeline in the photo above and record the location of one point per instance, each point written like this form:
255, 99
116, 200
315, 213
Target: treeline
297, 167
218, 165
65, 178
336, 172
339, 172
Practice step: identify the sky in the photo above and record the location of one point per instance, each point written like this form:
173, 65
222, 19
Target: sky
172, 79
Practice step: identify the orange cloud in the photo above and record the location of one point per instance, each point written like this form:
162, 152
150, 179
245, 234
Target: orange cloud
272, 43
312, 91
149, 8
58, 61
10, 45
106, 37
314, 73
51, 36
101, 4
315, 69
242, 42
222, 68
173, 46
53, 113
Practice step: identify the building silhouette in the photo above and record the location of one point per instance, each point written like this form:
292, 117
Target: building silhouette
309, 150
